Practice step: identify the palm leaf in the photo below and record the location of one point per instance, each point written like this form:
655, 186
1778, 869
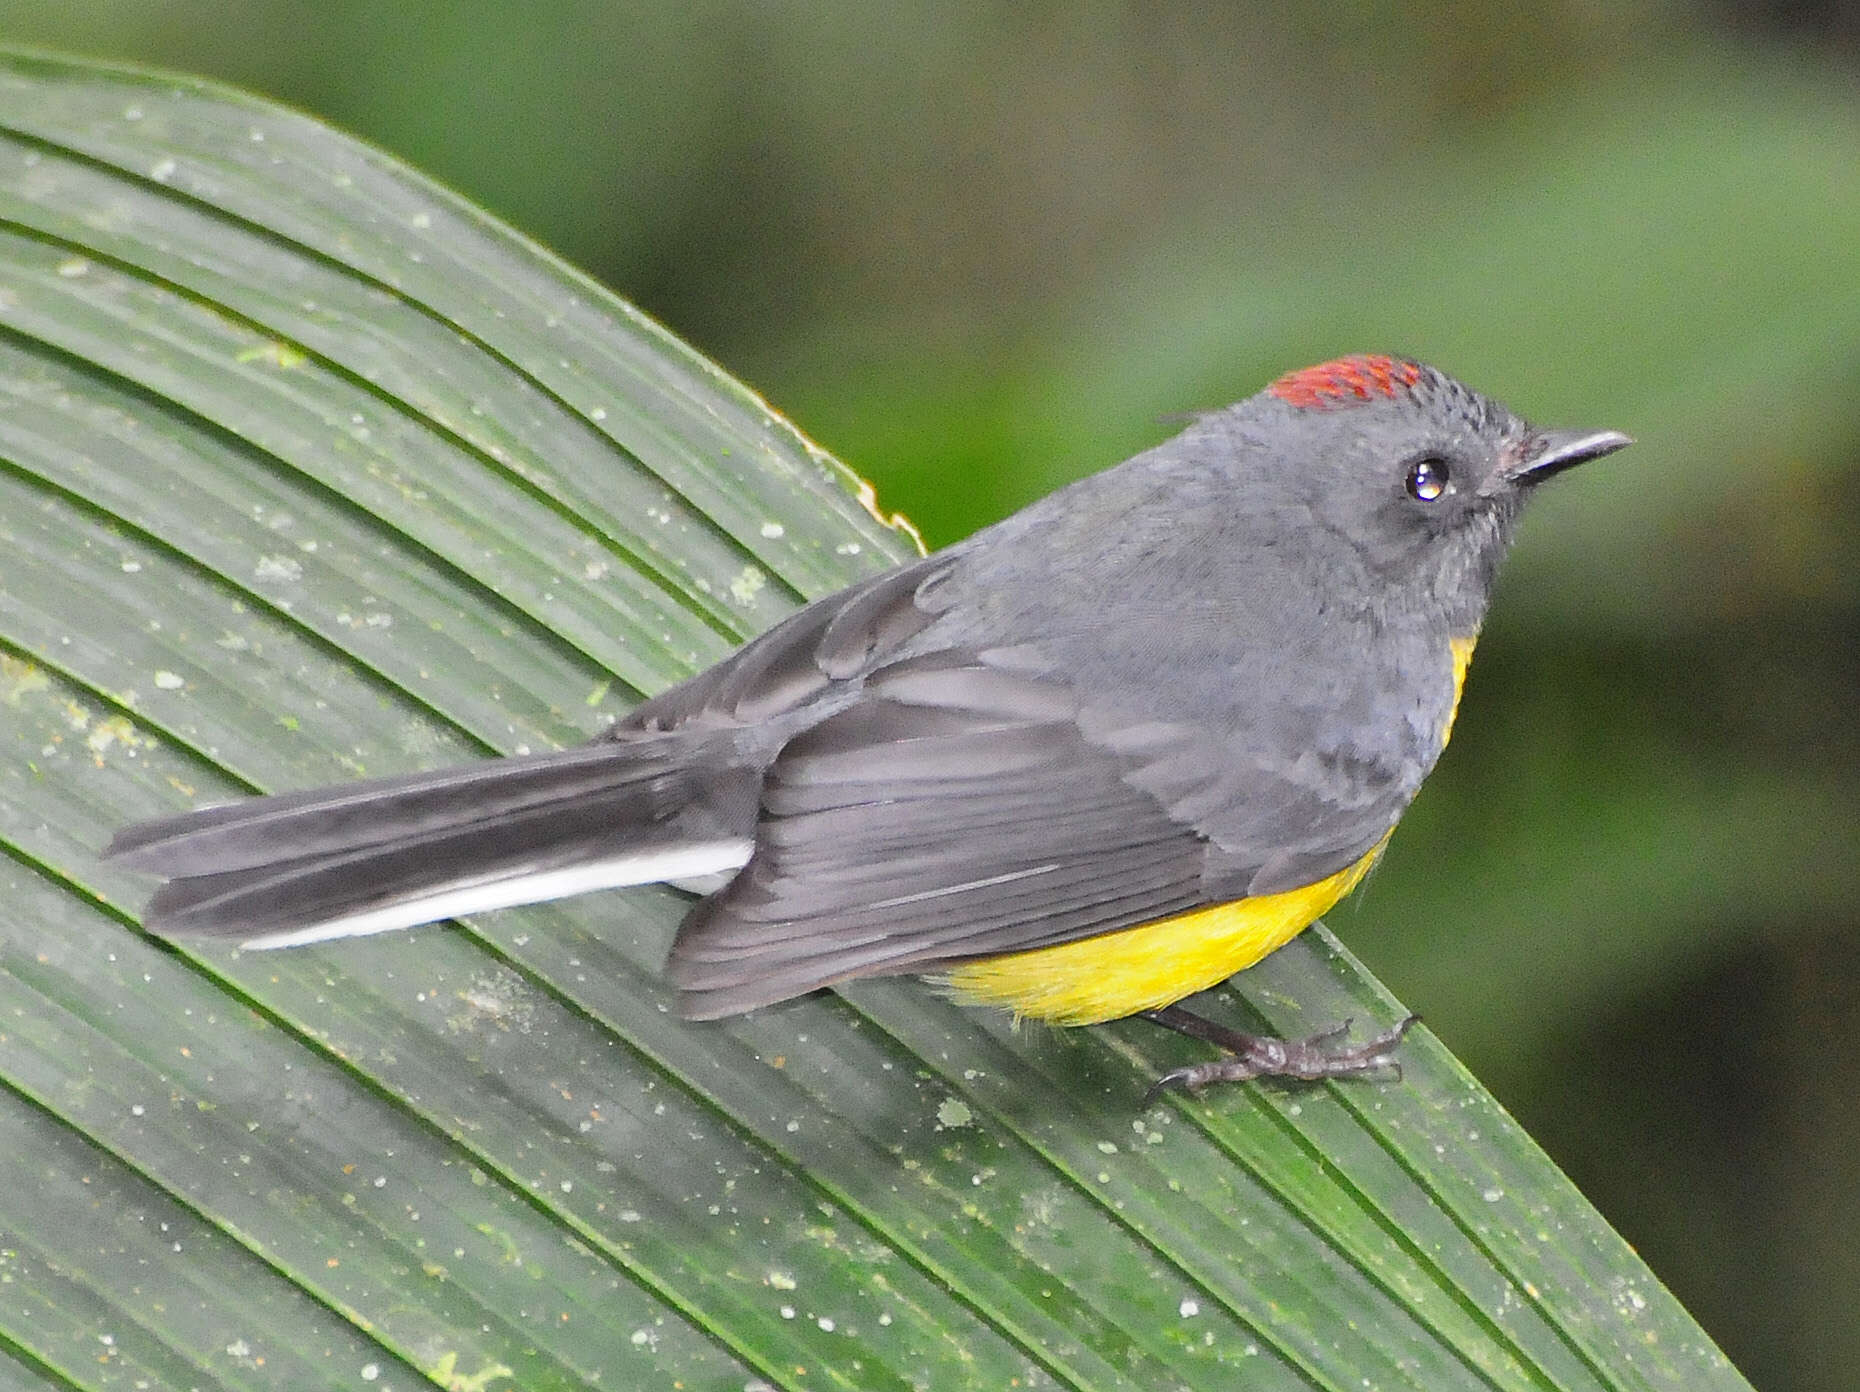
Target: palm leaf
308, 469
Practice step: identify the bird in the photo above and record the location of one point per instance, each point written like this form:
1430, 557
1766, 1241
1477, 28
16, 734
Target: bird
1085, 763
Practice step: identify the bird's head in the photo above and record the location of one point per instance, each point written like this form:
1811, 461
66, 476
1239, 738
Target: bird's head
1419, 475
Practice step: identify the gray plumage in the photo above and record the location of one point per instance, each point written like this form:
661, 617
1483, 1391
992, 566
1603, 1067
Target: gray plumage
1220, 668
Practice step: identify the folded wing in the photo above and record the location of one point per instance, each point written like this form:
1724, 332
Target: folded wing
954, 811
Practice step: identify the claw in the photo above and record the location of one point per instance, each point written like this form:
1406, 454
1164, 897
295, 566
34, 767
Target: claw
1175, 1077
1340, 1030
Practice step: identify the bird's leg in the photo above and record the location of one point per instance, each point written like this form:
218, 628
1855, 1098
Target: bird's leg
1323, 1055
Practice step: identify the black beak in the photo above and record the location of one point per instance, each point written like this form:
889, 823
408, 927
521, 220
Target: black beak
1550, 452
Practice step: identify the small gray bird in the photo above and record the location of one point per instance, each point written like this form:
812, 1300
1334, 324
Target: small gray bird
1092, 760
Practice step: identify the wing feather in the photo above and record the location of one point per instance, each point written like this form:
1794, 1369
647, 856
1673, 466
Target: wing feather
954, 810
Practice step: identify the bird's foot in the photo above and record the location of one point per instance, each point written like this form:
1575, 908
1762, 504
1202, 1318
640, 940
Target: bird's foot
1249, 1056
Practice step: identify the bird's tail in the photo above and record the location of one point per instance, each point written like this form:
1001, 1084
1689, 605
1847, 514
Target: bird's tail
390, 853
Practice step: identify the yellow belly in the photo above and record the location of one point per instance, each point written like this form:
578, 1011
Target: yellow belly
1155, 964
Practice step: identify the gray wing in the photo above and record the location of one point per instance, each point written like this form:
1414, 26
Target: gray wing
953, 811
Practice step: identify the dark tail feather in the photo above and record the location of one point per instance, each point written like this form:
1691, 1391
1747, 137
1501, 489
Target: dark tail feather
390, 853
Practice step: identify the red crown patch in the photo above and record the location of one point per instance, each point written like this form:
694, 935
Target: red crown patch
1346, 381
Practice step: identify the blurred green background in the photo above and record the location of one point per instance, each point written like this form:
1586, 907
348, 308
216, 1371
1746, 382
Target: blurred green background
977, 250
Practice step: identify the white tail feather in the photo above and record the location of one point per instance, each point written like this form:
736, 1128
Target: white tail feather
509, 889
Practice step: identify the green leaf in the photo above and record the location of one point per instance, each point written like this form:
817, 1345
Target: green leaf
308, 469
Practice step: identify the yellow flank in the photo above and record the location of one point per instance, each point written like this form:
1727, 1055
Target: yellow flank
1116, 974
1112, 975
1462, 659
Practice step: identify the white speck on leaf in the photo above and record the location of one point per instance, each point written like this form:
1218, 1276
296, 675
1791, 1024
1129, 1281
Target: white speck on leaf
747, 585
953, 1112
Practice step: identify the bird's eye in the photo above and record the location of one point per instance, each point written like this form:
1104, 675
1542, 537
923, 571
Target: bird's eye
1427, 479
